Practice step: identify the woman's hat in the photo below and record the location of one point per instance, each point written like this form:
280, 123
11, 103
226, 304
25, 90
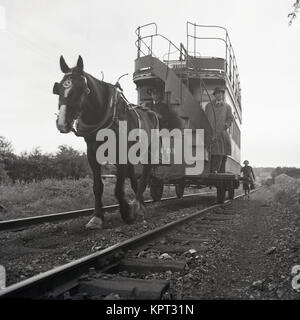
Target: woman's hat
217, 90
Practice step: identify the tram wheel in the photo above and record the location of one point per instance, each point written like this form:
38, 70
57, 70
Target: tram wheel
221, 192
231, 193
179, 189
156, 189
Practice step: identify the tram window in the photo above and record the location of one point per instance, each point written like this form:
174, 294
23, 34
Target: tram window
144, 93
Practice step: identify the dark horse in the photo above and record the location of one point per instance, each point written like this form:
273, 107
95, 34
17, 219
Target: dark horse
97, 105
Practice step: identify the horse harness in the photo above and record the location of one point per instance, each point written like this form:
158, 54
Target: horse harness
115, 97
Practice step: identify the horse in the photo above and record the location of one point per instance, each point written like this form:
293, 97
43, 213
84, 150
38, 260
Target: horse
93, 104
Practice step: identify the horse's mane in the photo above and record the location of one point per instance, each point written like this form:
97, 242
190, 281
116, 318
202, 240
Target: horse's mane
96, 84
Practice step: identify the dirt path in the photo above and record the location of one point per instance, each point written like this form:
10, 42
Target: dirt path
254, 254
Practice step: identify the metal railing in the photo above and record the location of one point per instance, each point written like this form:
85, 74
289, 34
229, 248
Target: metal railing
231, 68
145, 44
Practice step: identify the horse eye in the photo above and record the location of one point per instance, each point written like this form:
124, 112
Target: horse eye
67, 83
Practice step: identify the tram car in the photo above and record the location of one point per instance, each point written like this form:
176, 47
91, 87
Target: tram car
187, 75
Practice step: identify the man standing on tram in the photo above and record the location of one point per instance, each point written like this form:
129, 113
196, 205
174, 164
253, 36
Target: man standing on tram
220, 117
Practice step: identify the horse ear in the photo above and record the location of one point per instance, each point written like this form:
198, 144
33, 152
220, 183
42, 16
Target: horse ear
64, 67
80, 64
56, 88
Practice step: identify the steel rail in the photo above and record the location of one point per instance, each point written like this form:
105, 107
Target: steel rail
15, 224
65, 277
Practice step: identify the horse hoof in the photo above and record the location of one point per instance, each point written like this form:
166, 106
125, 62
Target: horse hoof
138, 210
127, 213
95, 223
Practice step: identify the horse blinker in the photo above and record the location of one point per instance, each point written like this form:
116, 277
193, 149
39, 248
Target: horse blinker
56, 88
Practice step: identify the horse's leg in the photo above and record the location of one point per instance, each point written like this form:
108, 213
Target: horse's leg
138, 204
120, 195
97, 220
132, 177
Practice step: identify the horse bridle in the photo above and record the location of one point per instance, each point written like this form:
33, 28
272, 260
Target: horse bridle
86, 89
56, 87
111, 110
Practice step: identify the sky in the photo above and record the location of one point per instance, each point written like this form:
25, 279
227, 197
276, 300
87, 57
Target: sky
34, 33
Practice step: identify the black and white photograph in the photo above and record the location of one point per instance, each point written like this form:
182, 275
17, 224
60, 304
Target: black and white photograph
149, 151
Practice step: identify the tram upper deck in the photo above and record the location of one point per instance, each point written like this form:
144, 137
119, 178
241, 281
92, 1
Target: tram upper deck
191, 63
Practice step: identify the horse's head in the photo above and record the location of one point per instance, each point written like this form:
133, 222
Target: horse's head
71, 91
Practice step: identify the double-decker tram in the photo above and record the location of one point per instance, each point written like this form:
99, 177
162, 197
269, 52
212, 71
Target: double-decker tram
187, 75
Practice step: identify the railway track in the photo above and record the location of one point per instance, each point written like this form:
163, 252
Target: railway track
22, 223
110, 270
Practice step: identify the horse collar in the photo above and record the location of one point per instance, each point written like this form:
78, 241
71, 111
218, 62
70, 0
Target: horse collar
109, 119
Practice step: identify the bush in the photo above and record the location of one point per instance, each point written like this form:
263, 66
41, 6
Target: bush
289, 171
287, 194
283, 197
36, 166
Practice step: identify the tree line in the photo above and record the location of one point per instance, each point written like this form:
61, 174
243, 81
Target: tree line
289, 171
35, 165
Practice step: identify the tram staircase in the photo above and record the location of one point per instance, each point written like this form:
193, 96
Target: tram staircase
190, 112
179, 94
